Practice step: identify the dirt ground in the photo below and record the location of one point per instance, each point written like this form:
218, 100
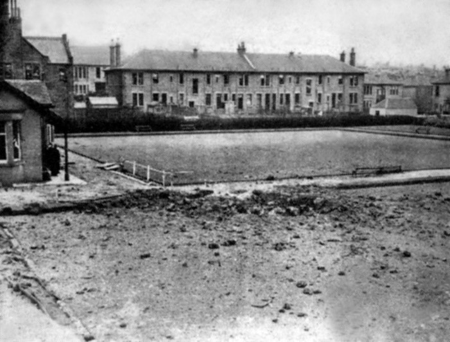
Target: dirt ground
290, 263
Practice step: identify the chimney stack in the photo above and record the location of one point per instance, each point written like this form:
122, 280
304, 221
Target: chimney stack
353, 57
112, 53
241, 48
291, 54
343, 56
195, 52
118, 53
447, 72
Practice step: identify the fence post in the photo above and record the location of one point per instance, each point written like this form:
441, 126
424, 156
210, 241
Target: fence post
148, 173
134, 168
164, 179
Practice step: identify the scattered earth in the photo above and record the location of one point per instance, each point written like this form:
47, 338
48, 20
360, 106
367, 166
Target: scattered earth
285, 263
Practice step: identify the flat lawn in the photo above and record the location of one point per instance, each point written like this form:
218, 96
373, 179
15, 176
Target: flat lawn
251, 156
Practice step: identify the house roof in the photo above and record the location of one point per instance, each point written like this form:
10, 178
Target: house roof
90, 55
227, 61
52, 47
35, 90
400, 103
444, 80
103, 101
36, 93
381, 79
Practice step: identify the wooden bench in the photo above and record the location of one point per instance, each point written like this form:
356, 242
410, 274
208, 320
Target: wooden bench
187, 127
143, 128
423, 130
380, 170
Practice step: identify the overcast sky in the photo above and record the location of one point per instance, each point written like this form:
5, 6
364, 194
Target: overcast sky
395, 31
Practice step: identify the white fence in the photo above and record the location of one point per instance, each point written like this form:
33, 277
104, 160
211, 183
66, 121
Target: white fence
148, 173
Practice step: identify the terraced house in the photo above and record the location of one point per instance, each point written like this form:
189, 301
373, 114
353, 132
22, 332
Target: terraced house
238, 82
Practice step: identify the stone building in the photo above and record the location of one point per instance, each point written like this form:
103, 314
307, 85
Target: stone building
89, 64
240, 82
47, 59
441, 94
380, 86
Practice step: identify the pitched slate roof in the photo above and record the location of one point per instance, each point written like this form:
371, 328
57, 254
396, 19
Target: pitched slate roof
400, 103
36, 93
382, 79
183, 60
90, 55
235, 62
445, 80
35, 90
52, 47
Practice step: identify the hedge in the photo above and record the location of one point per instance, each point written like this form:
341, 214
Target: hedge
129, 121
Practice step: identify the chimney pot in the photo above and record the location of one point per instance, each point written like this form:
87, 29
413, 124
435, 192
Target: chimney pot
195, 52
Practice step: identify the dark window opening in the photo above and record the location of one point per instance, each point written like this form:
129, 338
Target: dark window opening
181, 79
155, 97
208, 100
155, 78
32, 71
164, 99
226, 79
208, 79
195, 86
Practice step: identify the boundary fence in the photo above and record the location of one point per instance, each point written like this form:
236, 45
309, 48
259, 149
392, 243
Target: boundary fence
148, 173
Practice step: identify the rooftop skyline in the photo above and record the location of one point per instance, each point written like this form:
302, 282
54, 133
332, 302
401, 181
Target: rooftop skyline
400, 32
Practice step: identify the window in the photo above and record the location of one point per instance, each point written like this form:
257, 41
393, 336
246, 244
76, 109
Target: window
367, 89
208, 79
195, 86
297, 98
98, 72
138, 99
297, 79
328, 80
259, 100
241, 80
353, 98
155, 78
32, 71
225, 97
217, 78
226, 79
280, 79
181, 78
246, 80
290, 79
436, 91
249, 100
353, 81
393, 90
281, 99
62, 75
265, 80
181, 99
319, 98
155, 97
320, 79
339, 97
3, 147
308, 87
208, 100
340, 80
171, 78
5, 70
138, 78
367, 104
